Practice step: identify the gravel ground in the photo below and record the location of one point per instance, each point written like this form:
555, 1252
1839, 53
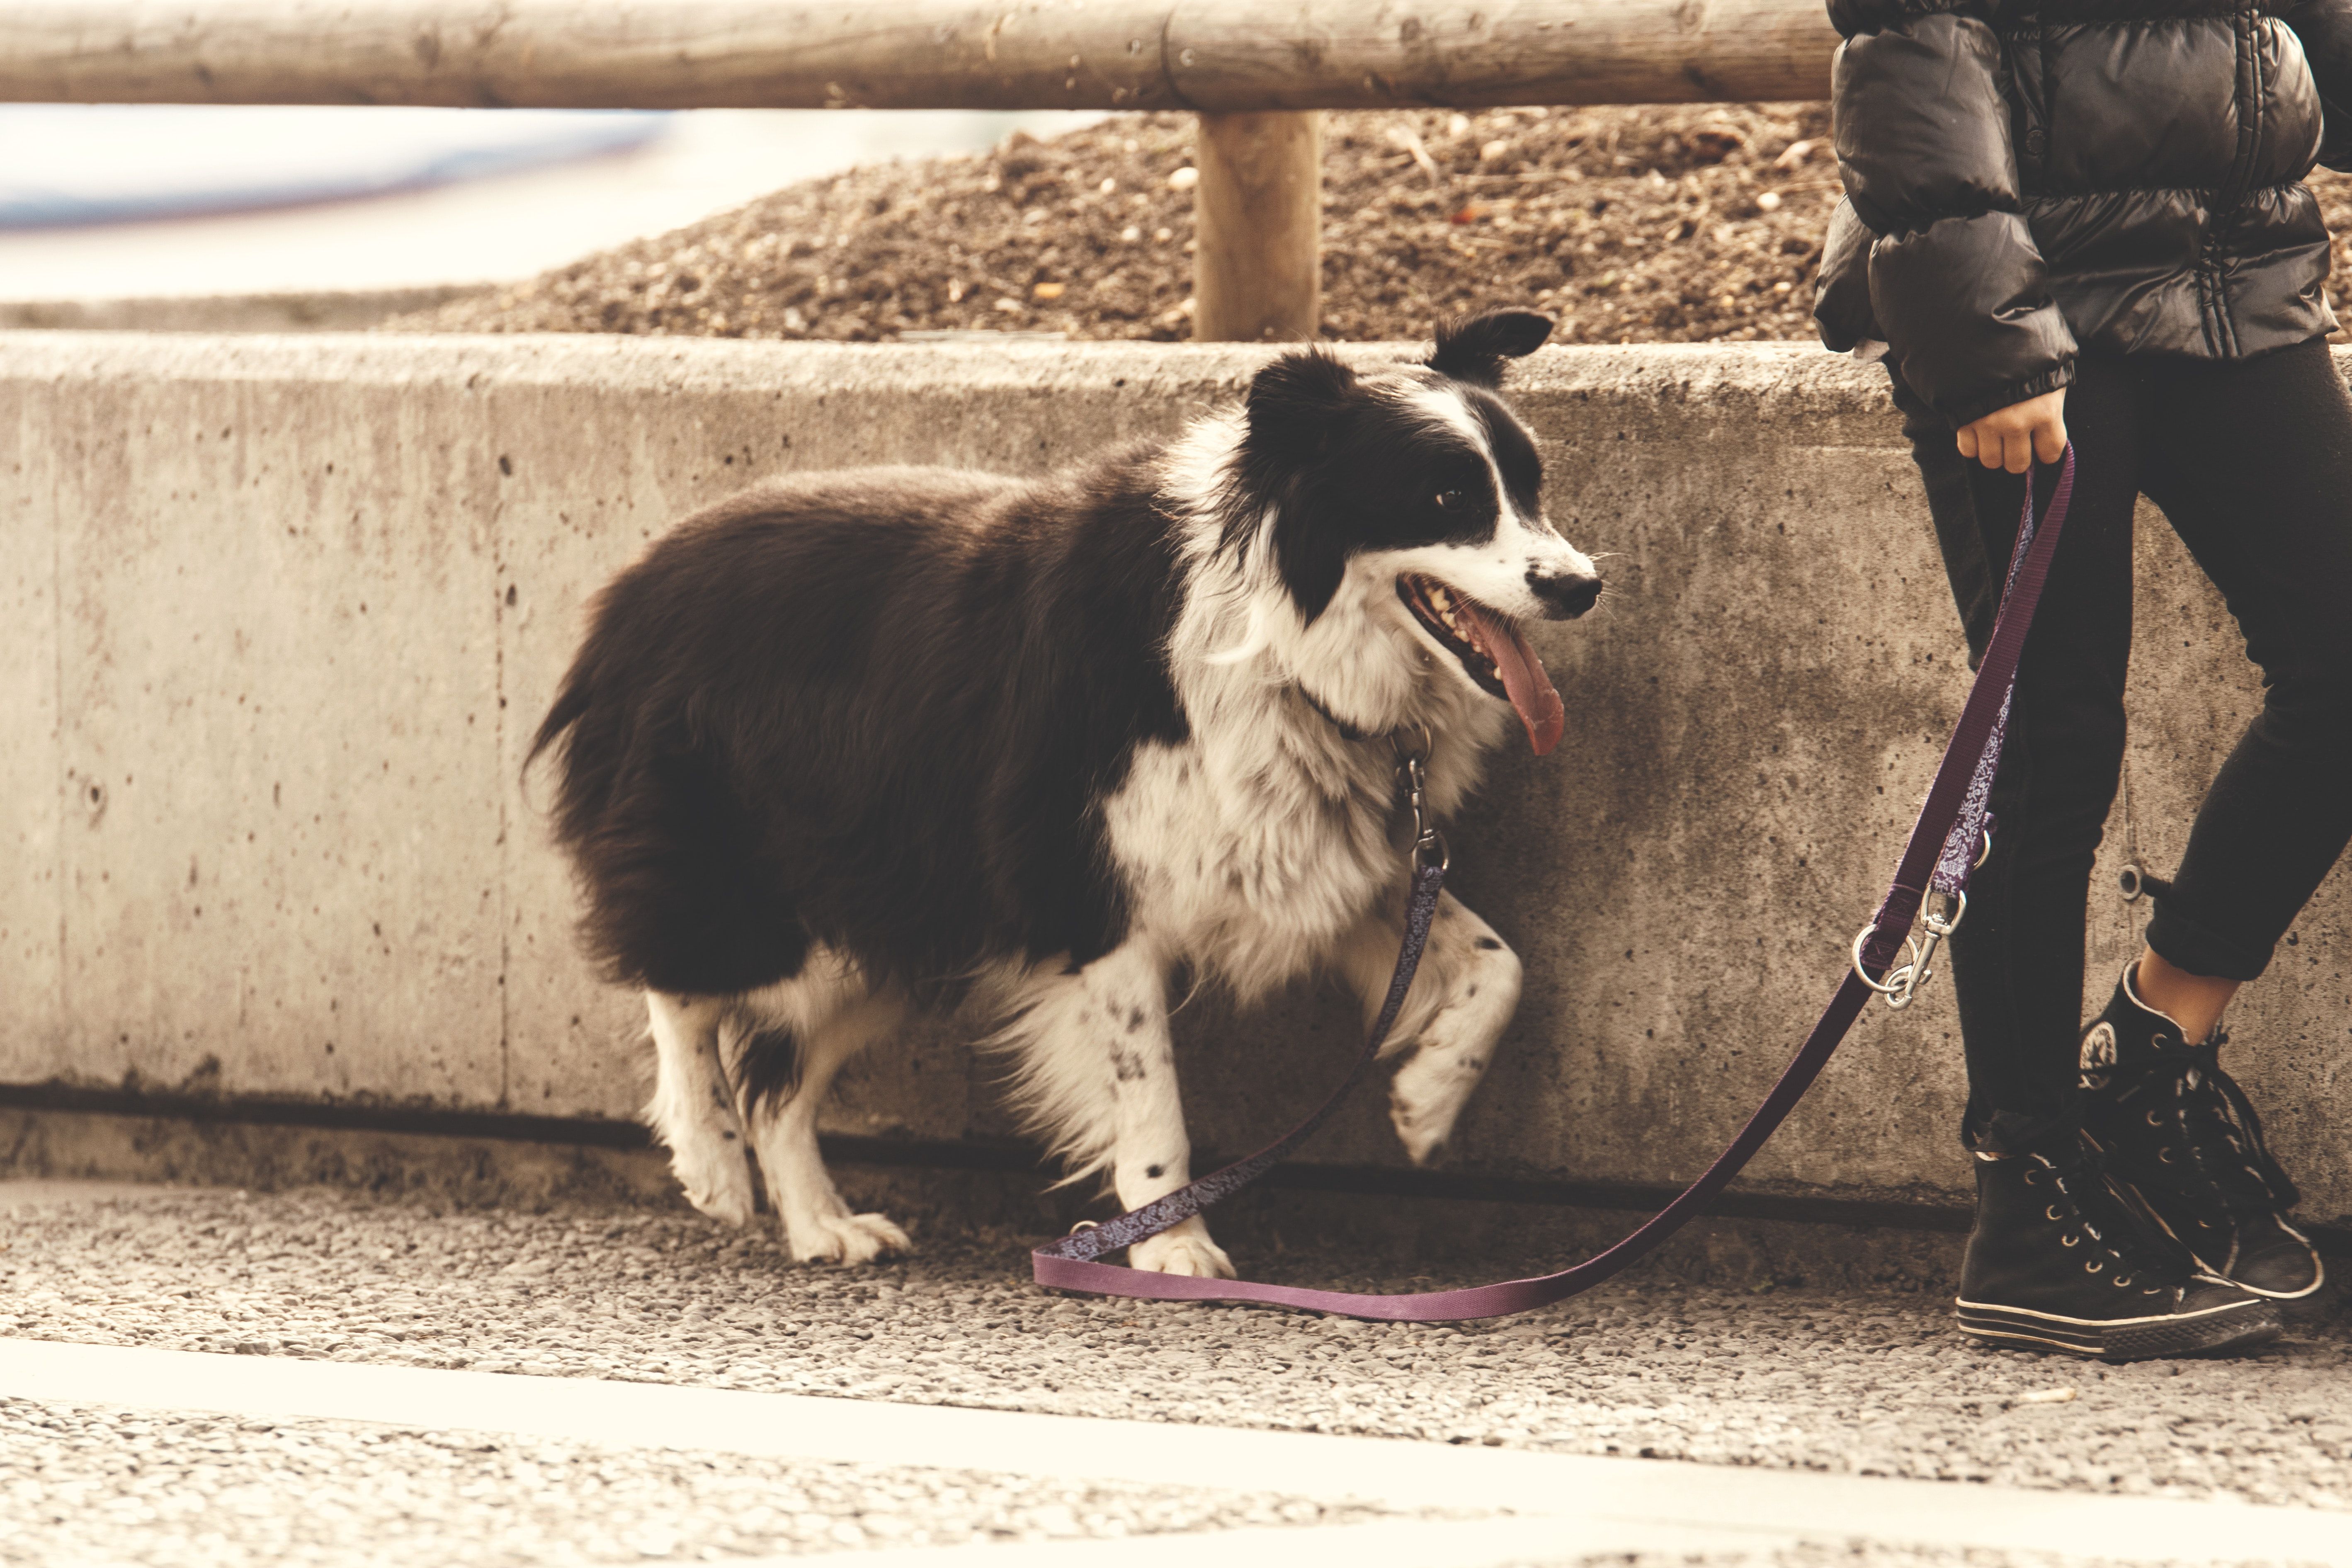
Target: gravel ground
82, 1485
1649, 224
1868, 1384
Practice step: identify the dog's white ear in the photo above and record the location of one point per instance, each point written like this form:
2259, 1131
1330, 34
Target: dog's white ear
1474, 350
1291, 402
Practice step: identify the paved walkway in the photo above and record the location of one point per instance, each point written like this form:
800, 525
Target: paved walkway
203, 1377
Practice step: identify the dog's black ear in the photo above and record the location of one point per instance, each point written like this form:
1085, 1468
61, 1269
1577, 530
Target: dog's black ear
1291, 402
1474, 350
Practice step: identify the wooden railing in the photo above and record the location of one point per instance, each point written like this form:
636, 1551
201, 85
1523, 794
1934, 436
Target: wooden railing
1255, 70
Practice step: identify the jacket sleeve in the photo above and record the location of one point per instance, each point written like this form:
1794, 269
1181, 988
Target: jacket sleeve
1956, 284
1841, 292
2325, 28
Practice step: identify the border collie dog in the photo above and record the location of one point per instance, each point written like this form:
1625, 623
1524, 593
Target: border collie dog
859, 743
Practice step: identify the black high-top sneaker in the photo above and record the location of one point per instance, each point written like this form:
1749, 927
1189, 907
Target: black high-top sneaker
2181, 1134
2059, 1261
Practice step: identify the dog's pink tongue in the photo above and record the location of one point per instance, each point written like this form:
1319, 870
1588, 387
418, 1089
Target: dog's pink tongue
1530, 689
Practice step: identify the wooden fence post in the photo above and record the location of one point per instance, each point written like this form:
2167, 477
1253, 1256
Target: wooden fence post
1258, 226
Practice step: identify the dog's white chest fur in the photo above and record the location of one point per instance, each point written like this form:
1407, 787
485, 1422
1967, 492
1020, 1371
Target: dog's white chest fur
1253, 861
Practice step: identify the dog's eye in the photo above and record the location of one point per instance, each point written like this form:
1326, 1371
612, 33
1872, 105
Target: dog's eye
1448, 498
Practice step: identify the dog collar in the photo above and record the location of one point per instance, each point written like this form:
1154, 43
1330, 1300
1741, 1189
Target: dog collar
1347, 731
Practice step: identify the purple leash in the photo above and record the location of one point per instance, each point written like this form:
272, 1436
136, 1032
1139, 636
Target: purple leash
1944, 848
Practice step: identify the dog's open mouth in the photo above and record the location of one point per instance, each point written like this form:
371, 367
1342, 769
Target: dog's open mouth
1493, 654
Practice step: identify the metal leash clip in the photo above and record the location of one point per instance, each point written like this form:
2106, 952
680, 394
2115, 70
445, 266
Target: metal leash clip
1901, 986
1429, 845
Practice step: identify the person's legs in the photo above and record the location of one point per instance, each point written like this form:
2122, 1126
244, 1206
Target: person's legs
2249, 461
2254, 467
2017, 960
2055, 1260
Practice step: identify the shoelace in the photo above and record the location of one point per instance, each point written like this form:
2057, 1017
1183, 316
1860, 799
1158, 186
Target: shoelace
2223, 1133
2108, 1220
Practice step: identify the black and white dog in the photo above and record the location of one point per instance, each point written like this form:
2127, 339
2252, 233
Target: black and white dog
852, 743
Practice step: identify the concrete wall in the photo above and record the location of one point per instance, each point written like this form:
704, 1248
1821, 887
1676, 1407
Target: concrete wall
278, 614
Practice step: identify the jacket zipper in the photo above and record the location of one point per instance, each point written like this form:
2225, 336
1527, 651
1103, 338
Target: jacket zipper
2219, 333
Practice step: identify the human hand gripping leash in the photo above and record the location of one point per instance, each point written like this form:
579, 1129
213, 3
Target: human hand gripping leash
1950, 838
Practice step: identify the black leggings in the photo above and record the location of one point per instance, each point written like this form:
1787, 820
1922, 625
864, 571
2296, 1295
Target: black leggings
2250, 461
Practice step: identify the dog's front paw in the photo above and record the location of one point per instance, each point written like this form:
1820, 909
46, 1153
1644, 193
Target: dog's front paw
1422, 1126
717, 1180
846, 1238
1425, 1100
1422, 1149
1184, 1248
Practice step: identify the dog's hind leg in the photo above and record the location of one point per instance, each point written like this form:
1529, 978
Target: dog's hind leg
693, 1108
1097, 1072
1462, 999
824, 1017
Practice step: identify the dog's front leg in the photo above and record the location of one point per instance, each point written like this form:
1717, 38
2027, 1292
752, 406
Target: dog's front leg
1462, 1000
1101, 1070
1153, 1154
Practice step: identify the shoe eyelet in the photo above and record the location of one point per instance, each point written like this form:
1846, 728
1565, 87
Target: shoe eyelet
2122, 1280
2069, 1241
2052, 1213
2032, 1178
2154, 1119
2164, 1156
2093, 1265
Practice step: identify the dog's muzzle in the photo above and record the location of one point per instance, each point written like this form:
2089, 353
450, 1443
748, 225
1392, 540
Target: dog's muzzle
1564, 597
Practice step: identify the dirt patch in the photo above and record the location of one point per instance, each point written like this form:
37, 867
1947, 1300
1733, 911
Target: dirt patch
1688, 224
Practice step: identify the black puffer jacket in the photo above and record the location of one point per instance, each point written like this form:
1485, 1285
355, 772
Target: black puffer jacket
2025, 177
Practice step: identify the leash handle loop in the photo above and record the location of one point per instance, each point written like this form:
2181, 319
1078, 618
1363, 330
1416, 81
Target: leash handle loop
1954, 812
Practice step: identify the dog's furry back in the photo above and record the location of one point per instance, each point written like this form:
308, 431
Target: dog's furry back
877, 709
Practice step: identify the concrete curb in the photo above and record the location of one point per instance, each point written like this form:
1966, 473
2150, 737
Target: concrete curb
277, 616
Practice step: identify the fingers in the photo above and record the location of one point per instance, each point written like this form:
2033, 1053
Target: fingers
2050, 440
1998, 444
2017, 450
1992, 442
2000, 449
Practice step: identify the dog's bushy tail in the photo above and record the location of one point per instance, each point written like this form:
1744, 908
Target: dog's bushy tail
571, 705
573, 809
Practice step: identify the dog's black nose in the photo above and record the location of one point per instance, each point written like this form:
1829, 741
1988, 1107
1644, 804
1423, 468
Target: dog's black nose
1565, 597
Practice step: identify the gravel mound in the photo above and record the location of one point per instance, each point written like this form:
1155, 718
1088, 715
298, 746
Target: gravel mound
1682, 224
1635, 224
